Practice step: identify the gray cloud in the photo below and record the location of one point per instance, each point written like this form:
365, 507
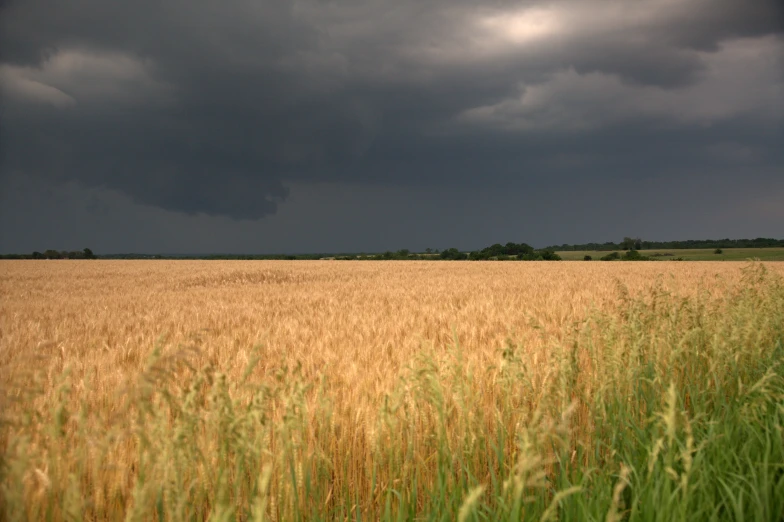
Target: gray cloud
221, 109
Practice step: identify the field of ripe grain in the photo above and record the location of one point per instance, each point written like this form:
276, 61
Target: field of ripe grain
174, 390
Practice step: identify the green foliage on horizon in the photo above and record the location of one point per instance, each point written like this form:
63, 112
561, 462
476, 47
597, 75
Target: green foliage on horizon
705, 254
638, 244
631, 255
738, 249
54, 254
509, 251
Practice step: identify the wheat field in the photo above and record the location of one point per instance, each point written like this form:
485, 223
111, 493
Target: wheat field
274, 390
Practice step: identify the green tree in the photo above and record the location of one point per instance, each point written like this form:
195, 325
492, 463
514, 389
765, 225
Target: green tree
88, 254
633, 255
549, 255
453, 254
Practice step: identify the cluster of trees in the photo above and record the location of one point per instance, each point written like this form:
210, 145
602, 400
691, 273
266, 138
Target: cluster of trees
54, 254
634, 255
629, 243
210, 257
631, 255
496, 252
519, 251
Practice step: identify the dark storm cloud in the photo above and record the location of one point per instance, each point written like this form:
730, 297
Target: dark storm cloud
205, 107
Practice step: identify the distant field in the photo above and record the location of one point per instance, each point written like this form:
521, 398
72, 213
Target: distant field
696, 254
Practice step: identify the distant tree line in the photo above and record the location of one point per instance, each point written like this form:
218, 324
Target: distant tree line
638, 244
217, 257
85, 253
518, 251
496, 252
630, 255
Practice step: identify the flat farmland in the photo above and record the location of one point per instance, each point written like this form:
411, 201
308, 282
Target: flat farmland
688, 254
276, 390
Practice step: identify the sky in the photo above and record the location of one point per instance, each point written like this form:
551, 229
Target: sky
272, 126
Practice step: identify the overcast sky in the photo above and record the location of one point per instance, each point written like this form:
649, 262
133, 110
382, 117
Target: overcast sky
264, 126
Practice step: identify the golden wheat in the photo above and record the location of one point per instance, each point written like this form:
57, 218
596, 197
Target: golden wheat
361, 322
353, 329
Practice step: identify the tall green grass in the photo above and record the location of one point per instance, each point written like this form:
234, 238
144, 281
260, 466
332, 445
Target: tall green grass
665, 408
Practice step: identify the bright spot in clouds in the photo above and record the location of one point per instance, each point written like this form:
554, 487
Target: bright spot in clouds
522, 27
